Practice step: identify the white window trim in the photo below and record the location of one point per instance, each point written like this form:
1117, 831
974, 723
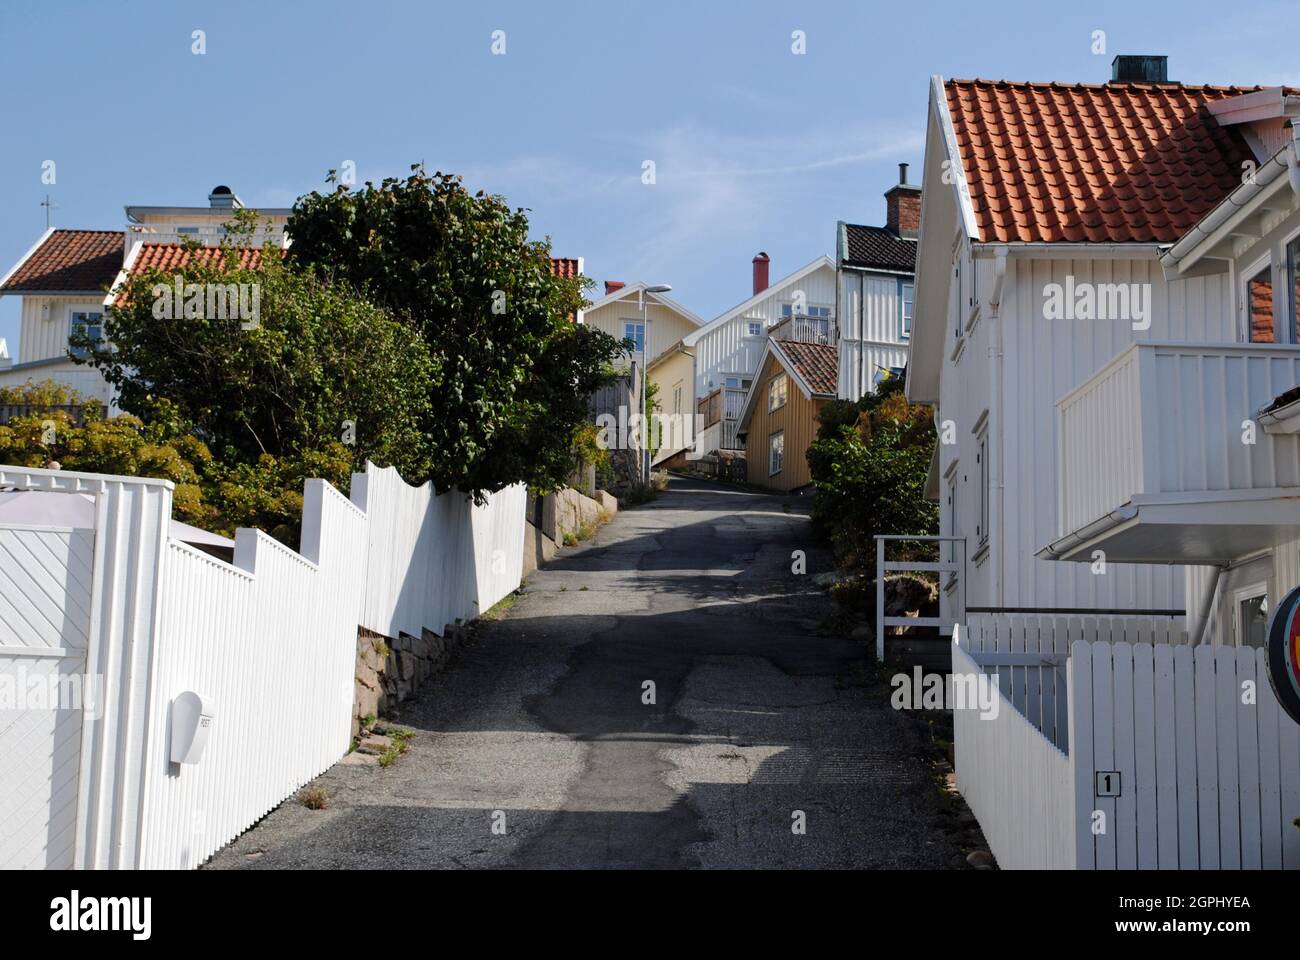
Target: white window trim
771, 449
905, 334
785, 392
1249, 273
1251, 591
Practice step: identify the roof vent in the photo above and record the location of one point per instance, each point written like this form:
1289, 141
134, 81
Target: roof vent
223, 198
1144, 68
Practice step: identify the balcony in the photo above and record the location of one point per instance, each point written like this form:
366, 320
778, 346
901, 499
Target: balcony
209, 236
720, 409
1161, 458
806, 330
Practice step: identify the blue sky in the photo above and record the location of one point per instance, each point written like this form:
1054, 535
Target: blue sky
755, 147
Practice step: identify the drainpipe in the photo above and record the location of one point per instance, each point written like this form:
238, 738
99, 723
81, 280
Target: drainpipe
1207, 605
997, 540
1293, 158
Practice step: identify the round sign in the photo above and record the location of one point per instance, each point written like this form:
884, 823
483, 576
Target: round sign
1284, 653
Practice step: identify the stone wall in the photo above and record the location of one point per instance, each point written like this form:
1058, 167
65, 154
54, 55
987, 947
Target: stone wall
389, 670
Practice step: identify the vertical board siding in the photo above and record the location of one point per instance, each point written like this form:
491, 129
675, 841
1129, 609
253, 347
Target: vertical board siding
1209, 763
1016, 782
1180, 432
436, 558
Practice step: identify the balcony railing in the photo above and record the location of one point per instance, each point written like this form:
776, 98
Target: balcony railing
806, 330
206, 235
1173, 423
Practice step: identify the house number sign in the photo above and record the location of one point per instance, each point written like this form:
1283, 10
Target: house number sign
1107, 783
1284, 653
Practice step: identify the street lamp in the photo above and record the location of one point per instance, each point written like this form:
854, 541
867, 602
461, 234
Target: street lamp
644, 459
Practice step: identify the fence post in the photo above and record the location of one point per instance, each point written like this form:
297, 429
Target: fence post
880, 600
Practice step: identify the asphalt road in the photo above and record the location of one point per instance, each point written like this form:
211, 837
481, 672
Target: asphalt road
536, 748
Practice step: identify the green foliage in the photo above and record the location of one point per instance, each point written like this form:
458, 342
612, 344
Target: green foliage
320, 366
869, 464
511, 369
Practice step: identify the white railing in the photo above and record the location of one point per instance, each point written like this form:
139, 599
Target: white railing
269, 640
733, 400
1173, 419
208, 236
1017, 783
954, 566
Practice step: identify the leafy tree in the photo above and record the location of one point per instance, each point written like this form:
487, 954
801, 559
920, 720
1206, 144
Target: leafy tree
869, 464
512, 371
317, 365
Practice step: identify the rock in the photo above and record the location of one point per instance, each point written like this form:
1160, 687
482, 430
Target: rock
358, 759
607, 501
825, 580
905, 596
980, 859
375, 744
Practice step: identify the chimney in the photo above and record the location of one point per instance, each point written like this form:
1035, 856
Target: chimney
761, 263
903, 207
612, 285
1144, 68
223, 198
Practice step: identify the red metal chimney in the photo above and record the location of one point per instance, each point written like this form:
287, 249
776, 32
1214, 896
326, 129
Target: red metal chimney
761, 263
612, 285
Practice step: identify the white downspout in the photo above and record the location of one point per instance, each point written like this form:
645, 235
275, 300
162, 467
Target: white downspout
1207, 605
995, 428
1293, 158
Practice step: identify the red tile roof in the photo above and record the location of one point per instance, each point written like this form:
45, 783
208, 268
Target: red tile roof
1121, 162
173, 256
564, 267
70, 261
817, 363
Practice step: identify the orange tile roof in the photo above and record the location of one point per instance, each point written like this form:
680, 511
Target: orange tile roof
1118, 162
564, 267
174, 256
70, 261
817, 363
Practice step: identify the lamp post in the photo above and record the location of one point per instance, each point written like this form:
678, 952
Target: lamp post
644, 459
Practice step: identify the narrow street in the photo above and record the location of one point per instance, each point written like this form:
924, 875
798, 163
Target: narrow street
540, 728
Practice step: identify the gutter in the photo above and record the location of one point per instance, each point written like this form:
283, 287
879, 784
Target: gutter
1058, 549
1282, 420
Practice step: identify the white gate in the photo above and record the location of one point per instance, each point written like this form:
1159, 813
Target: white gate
45, 602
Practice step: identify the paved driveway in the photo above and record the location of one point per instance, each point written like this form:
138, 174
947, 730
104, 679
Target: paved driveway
540, 728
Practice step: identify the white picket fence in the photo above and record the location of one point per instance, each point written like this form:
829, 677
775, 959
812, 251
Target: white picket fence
269, 640
1175, 757
1017, 782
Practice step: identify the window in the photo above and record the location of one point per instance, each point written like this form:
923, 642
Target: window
775, 453
188, 231
634, 330
1293, 260
91, 324
1252, 620
755, 328
952, 515
906, 297
1259, 306
734, 382
957, 296
787, 310
982, 463
677, 398
776, 392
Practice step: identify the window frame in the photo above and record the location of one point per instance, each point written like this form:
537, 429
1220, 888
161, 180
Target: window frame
982, 467
1251, 273
750, 324
74, 324
1251, 591
775, 446
784, 381
1291, 253
640, 349
906, 316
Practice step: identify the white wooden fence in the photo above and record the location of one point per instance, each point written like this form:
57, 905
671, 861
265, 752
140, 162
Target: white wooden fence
1017, 782
269, 640
1176, 757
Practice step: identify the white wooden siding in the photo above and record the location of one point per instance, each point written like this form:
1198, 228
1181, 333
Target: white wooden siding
1043, 360
729, 349
41, 339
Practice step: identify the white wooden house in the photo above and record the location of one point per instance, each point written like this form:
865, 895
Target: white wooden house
874, 291
65, 277
1097, 331
727, 349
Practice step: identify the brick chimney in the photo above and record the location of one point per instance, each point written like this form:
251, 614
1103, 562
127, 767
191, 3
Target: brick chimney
612, 285
903, 206
761, 263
